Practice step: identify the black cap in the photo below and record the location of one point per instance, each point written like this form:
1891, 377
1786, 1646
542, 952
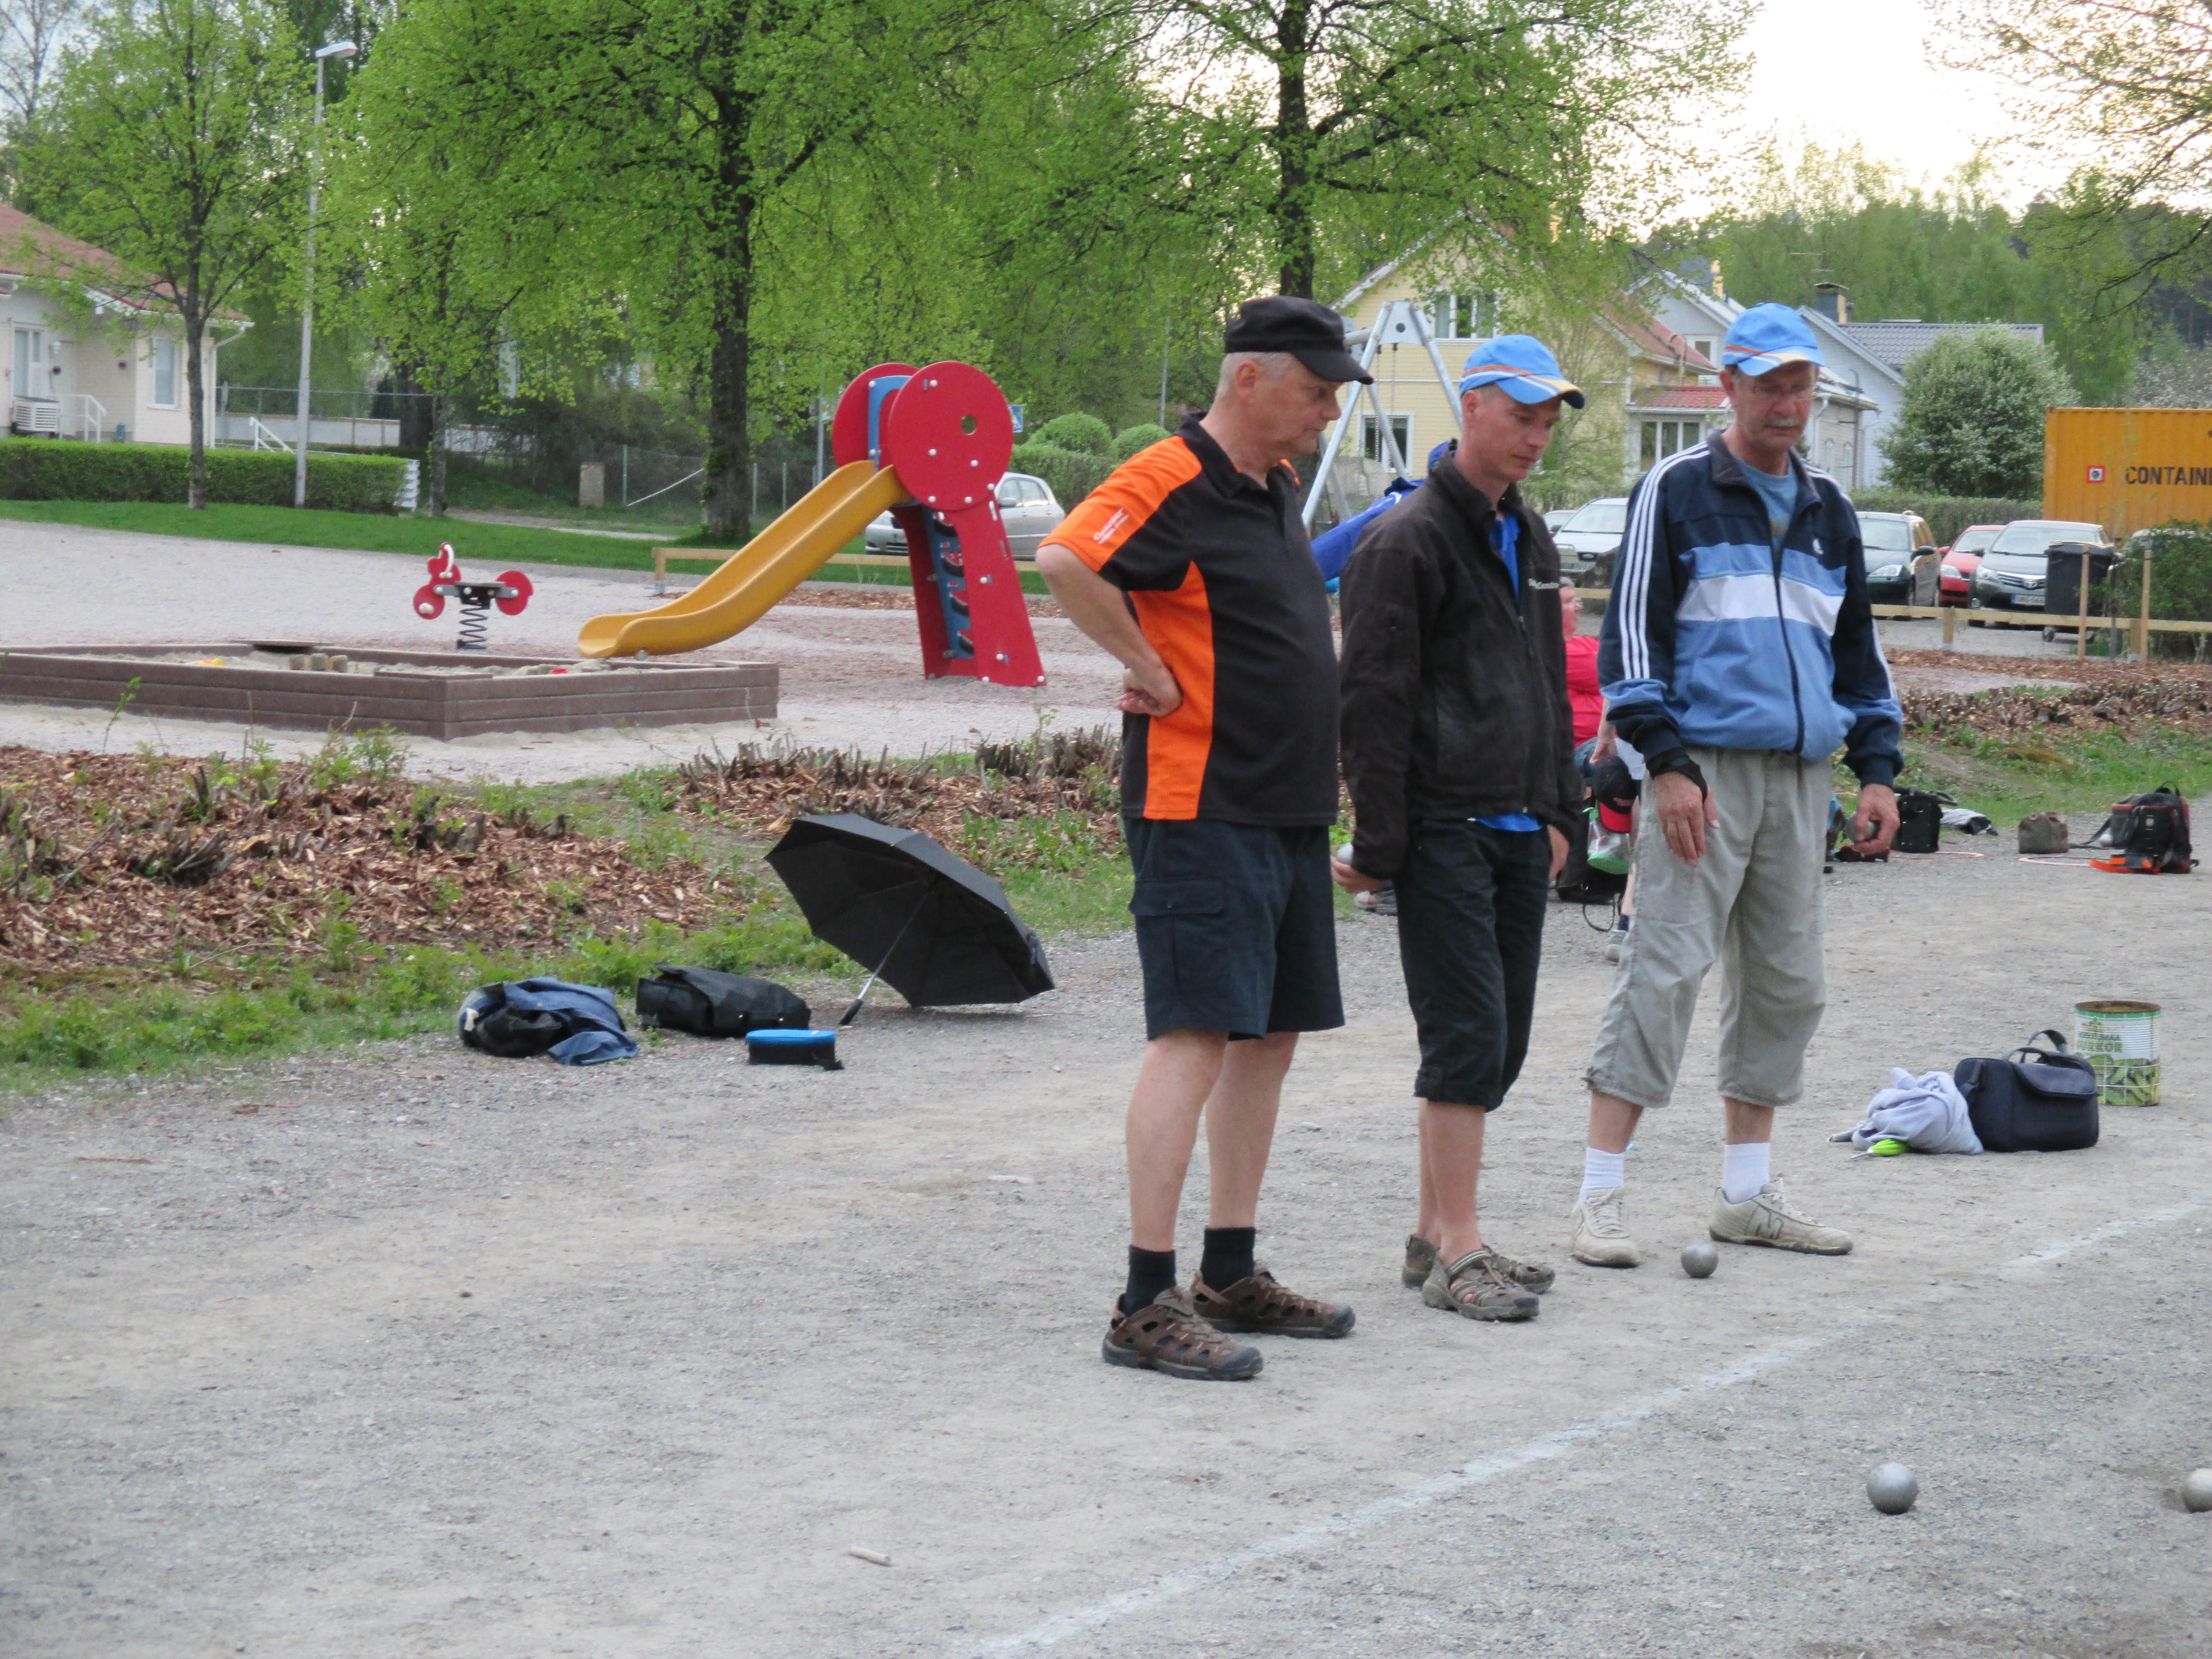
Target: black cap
1310, 331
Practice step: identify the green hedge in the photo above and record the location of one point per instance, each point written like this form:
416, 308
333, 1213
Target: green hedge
1086, 435
56, 469
1072, 474
1947, 515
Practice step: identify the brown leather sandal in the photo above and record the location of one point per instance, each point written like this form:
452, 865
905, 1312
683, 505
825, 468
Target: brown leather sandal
1261, 1303
1167, 1335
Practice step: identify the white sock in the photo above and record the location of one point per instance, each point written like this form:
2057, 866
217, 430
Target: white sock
1602, 1171
1744, 1170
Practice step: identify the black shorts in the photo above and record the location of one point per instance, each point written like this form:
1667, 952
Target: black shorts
1236, 926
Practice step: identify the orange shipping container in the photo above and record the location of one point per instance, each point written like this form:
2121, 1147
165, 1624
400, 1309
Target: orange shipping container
2128, 469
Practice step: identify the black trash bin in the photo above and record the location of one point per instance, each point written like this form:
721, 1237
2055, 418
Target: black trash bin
2062, 585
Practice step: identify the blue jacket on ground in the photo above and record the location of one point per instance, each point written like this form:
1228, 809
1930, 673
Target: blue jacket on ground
595, 1024
1713, 639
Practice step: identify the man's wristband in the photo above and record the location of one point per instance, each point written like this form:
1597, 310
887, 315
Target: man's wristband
1678, 761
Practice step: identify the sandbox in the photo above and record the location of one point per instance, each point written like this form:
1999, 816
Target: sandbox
434, 694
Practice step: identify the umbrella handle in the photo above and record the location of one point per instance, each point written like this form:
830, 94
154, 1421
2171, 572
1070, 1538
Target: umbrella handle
853, 1012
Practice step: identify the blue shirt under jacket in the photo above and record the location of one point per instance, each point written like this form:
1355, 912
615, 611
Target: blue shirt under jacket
1717, 637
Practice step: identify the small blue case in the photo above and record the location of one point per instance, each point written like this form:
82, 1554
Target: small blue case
779, 1046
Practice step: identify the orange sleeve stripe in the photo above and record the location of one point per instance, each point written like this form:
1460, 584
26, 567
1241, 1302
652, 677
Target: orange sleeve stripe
1121, 507
1180, 625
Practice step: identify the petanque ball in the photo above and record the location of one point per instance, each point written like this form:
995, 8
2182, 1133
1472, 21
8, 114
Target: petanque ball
1891, 1488
2197, 1490
1699, 1259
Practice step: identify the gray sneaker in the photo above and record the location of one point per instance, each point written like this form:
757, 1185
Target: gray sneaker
1766, 1218
1477, 1288
1601, 1237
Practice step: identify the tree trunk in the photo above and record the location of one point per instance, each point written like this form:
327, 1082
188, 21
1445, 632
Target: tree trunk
415, 418
1294, 147
437, 454
196, 393
729, 370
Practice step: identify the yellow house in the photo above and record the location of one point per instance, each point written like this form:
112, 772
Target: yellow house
1651, 391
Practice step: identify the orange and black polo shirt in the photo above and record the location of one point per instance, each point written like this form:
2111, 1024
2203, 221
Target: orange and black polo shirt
1222, 581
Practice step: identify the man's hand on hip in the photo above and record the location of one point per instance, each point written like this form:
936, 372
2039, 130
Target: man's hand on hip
1558, 851
1149, 688
1684, 813
1875, 822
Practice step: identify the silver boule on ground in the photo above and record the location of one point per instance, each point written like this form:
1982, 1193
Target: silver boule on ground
1699, 1258
2197, 1490
1892, 1488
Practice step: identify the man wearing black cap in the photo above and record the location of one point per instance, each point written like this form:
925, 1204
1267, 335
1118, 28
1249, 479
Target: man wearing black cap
1190, 564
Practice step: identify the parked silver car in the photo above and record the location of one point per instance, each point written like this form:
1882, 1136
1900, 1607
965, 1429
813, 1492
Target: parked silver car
2014, 571
1026, 502
1588, 541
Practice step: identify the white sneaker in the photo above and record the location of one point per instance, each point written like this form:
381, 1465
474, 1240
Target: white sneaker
1616, 944
1382, 902
1766, 1218
1600, 1237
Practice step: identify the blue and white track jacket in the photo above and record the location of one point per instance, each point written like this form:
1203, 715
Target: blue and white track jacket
1712, 639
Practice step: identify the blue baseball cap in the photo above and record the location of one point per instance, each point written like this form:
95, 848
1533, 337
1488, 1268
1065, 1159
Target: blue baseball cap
1765, 337
1524, 366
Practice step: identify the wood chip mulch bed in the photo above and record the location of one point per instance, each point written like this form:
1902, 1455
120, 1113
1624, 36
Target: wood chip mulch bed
110, 861
1059, 774
2106, 697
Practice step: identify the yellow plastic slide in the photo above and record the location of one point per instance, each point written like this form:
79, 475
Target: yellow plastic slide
741, 590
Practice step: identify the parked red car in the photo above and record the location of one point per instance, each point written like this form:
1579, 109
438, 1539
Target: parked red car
1961, 559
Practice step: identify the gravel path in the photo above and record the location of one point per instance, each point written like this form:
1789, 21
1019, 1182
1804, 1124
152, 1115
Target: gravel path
850, 676
431, 1354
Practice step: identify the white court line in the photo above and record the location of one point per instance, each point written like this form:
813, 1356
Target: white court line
1638, 1408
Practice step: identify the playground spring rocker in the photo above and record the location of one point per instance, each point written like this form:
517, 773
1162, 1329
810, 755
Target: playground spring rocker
928, 445
511, 593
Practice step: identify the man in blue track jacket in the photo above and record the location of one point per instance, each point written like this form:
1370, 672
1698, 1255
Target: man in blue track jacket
1739, 654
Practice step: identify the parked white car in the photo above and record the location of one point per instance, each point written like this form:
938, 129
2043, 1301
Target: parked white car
1026, 502
1588, 541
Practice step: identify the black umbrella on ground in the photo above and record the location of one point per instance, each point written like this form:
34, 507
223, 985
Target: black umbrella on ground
933, 926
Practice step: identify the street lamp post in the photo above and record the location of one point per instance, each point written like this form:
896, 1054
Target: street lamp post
322, 55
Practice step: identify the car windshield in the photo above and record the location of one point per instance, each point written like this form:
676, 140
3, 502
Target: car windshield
1606, 518
1973, 541
2035, 535
1885, 533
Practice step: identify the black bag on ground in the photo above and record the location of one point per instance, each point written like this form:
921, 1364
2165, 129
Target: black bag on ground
2033, 1100
1919, 820
708, 1003
2149, 832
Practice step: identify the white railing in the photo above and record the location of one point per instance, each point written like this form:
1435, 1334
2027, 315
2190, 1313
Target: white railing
91, 415
263, 438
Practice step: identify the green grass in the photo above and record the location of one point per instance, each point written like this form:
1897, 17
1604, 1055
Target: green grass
2008, 778
478, 544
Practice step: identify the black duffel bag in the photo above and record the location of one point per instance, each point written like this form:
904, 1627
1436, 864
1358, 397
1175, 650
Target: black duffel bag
2033, 1100
708, 1003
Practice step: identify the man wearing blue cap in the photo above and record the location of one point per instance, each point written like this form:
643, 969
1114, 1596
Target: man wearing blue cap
1738, 655
1458, 747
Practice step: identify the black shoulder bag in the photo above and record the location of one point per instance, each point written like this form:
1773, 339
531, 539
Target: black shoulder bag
2033, 1100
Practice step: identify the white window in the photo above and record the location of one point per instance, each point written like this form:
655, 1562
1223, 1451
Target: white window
1464, 316
30, 354
1370, 437
1704, 348
165, 374
1663, 438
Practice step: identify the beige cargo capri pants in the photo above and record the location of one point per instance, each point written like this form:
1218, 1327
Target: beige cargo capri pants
1754, 902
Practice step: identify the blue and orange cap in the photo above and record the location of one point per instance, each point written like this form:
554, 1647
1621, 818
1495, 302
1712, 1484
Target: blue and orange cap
1524, 366
1766, 336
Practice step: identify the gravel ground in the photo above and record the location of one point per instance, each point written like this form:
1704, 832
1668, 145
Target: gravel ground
432, 1354
850, 676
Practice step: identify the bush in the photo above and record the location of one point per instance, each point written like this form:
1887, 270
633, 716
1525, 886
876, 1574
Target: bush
1072, 474
1971, 421
2180, 583
1086, 435
52, 470
1130, 439
1947, 515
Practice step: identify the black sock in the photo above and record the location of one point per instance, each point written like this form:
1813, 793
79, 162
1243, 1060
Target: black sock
1150, 1272
1228, 1256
